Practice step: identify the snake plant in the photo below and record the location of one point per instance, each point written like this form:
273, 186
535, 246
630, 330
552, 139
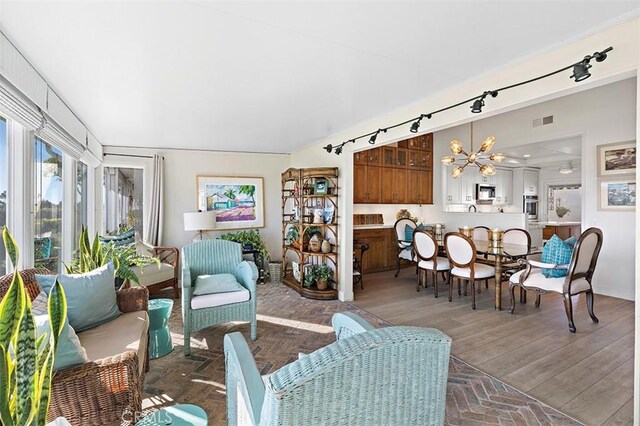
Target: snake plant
26, 362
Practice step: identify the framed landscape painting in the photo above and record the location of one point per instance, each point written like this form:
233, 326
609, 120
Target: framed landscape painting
237, 201
617, 194
617, 159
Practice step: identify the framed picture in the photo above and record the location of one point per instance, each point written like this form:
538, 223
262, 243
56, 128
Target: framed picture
237, 201
617, 194
617, 159
321, 187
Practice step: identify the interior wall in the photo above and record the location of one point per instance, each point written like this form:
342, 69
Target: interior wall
182, 167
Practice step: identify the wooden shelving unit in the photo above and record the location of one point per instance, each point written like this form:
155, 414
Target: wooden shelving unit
299, 200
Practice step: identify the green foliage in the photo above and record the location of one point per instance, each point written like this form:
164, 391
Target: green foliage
311, 231
251, 236
26, 368
323, 272
230, 194
92, 255
293, 234
309, 276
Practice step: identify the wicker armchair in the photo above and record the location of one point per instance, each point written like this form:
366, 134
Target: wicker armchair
101, 392
386, 376
216, 257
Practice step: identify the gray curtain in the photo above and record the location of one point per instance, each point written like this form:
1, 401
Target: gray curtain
154, 224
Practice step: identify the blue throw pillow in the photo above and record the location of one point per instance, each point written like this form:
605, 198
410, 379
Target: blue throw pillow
558, 252
408, 231
69, 351
91, 297
217, 283
571, 242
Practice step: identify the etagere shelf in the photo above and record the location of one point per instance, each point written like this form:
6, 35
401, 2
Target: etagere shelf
310, 206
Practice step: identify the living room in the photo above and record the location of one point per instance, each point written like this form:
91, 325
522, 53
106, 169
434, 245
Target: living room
142, 83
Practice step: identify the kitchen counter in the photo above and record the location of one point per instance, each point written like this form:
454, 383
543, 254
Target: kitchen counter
559, 223
379, 226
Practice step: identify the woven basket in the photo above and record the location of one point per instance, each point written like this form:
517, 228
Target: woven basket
275, 272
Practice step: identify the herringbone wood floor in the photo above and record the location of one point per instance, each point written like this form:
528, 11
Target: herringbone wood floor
588, 375
289, 324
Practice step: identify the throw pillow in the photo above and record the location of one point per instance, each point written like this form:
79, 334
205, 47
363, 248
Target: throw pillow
408, 231
69, 352
91, 297
218, 283
571, 242
558, 252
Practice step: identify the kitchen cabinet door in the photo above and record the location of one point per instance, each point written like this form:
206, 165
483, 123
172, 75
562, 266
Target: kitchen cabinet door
373, 184
400, 184
359, 183
375, 259
531, 182
393, 184
374, 157
426, 187
388, 156
453, 194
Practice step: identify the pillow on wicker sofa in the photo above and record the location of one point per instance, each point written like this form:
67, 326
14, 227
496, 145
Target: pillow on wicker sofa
69, 351
91, 297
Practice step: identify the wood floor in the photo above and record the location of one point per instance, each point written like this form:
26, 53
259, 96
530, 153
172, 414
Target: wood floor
587, 375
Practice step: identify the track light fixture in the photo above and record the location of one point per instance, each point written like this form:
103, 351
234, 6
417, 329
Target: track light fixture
580, 73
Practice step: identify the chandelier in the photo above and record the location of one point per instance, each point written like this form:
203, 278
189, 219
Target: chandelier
478, 158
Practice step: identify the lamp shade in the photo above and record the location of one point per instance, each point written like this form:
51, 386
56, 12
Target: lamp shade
199, 221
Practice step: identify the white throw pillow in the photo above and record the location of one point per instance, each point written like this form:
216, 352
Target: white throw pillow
218, 283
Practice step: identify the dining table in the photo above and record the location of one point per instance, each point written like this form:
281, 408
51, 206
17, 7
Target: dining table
501, 253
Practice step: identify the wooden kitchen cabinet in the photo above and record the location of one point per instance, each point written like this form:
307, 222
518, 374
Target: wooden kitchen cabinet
395, 175
562, 231
382, 252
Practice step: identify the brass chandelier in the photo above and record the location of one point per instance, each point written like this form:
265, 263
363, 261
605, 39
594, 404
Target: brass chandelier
477, 158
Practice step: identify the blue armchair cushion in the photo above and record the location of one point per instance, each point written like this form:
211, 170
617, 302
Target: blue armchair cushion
91, 297
217, 283
557, 252
69, 351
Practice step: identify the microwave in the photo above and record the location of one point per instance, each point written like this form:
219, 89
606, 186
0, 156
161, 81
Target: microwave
485, 192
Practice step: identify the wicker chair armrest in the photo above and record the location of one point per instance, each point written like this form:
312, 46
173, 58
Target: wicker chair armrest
346, 324
167, 254
133, 299
247, 274
242, 374
99, 381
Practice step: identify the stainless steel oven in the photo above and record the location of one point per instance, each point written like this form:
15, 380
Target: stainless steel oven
530, 206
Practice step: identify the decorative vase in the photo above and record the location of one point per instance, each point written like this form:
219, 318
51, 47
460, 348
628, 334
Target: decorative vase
326, 246
322, 284
318, 216
314, 243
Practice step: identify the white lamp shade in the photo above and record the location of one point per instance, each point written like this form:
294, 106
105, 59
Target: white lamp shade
199, 221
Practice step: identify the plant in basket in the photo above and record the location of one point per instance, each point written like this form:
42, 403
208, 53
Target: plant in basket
322, 274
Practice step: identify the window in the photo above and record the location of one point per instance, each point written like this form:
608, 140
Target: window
48, 193
4, 165
81, 213
123, 199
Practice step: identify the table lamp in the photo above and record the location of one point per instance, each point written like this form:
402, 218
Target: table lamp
199, 221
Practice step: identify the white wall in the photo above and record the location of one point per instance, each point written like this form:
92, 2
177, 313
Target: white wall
181, 169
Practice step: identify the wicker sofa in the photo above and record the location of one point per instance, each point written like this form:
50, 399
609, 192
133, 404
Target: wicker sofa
108, 389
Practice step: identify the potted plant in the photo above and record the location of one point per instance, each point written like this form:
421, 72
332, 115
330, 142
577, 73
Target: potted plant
322, 275
292, 236
250, 240
26, 371
309, 276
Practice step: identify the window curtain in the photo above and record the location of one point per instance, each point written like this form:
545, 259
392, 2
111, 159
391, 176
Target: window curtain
154, 226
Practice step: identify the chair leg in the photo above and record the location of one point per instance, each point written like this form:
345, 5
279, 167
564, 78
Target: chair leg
397, 265
466, 284
459, 292
444, 276
450, 285
523, 298
187, 342
537, 300
419, 283
568, 307
590, 307
473, 293
486, 284
435, 283
254, 329
512, 293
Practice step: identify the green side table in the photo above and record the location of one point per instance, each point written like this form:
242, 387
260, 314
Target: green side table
176, 415
160, 342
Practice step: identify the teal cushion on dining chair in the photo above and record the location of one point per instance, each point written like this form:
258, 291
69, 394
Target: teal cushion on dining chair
408, 231
557, 252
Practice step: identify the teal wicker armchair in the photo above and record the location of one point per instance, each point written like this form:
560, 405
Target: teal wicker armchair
216, 257
385, 376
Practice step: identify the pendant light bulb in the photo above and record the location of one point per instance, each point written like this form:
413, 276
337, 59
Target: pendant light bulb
487, 144
448, 160
456, 147
457, 171
487, 170
497, 157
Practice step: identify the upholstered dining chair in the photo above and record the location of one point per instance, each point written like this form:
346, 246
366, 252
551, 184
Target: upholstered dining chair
461, 252
511, 266
369, 376
426, 248
481, 233
210, 257
578, 279
405, 249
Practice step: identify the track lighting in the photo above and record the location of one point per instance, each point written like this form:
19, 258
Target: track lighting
580, 73
581, 70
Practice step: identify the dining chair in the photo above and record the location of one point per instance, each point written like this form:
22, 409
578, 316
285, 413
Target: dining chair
578, 279
404, 233
461, 252
426, 249
481, 233
511, 266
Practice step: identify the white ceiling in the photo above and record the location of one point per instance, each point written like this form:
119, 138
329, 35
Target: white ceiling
270, 76
548, 154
